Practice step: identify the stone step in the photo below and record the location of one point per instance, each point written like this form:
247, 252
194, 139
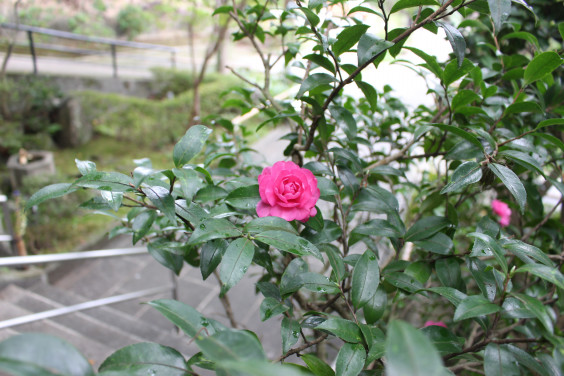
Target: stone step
94, 351
145, 329
88, 326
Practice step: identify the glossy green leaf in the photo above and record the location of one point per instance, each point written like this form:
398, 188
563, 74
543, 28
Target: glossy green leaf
291, 278
288, 242
335, 259
259, 368
313, 81
460, 133
526, 251
492, 246
144, 358
376, 199
463, 98
377, 227
34, 354
213, 228
370, 94
142, 224
244, 197
526, 360
322, 61
454, 72
425, 228
311, 17
523, 159
290, 333
189, 182
350, 359
465, 174
499, 11
348, 38
550, 122
326, 187
370, 46
520, 107
456, 41
85, 167
231, 345
537, 308
483, 276
165, 256
524, 36
271, 307
474, 306
430, 61
190, 144
319, 283
511, 182
498, 361
438, 243
317, 366
541, 65
113, 199
210, 193
163, 200
452, 295
403, 281
210, 256
547, 273
365, 279
346, 330
448, 271
410, 352
445, 342
374, 309
106, 181
258, 225
404, 4
235, 262
49, 192
345, 120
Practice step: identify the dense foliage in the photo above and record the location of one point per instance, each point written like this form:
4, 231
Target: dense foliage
404, 231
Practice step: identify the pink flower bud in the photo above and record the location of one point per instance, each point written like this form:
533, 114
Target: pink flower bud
434, 323
501, 209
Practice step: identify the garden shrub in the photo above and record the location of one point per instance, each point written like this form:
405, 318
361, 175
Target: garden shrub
436, 245
132, 20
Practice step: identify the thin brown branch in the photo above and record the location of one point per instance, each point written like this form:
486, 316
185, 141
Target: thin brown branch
301, 348
546, 218
226, 303
478, 346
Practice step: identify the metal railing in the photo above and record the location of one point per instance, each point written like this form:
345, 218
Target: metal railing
113, 43
73, 256
7, 238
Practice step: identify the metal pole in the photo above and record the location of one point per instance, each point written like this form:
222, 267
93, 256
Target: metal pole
173, 59
114, 60
7, 224
32, 50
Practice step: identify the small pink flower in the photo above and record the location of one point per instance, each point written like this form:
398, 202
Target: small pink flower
287, 191
434, 323
502, 210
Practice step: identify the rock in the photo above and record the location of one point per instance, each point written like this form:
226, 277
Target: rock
39, 162
75, 131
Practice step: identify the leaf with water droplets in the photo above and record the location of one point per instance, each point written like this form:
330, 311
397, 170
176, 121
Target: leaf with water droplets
290, 332
289, 242
245, 198
319, 283
235, 262
346, 330
365, 279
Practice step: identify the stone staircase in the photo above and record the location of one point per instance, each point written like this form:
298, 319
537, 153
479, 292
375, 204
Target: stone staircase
98, 332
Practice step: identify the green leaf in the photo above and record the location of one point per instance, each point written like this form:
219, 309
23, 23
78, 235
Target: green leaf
322, 61
431, 61
335, 259
523, 35
49, 192
410, 352
524, 251
112, 199
511, 182
235, 262
365, 279
346, 330
483, 276
460, 133
537, 308
523, 159
231, 345
370, 94
311, 17
317, 366
454, 72
313, 81
210, 256
456, 40
499, 11
142, 224
162, 253
244, 197
493, 246
463, 98
259, 368
550, 122
561, 29
33, 354
258, 225
144, 358
213, 228
85, 167
348, 38
375, 308
326, 187
291, 279
370, 46
445, 342
526, 360
520, 107
403, 4
403, 281
106, 181
271, 307
319, 283
425, 228
290, 333
288, 242
223, 10
189, 182
163, 200
350, 359
420, 270
448, 271
498, 361
345, 120
465, 174
377, 227
452, 295
547, 273
210, 193
474, 306
541, 65
376, 199
190, 144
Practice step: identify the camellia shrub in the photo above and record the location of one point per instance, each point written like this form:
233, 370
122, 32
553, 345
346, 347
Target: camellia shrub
425, 241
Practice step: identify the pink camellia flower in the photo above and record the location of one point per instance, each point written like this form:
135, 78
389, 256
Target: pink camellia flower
434, 323
287, 191
502, 210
